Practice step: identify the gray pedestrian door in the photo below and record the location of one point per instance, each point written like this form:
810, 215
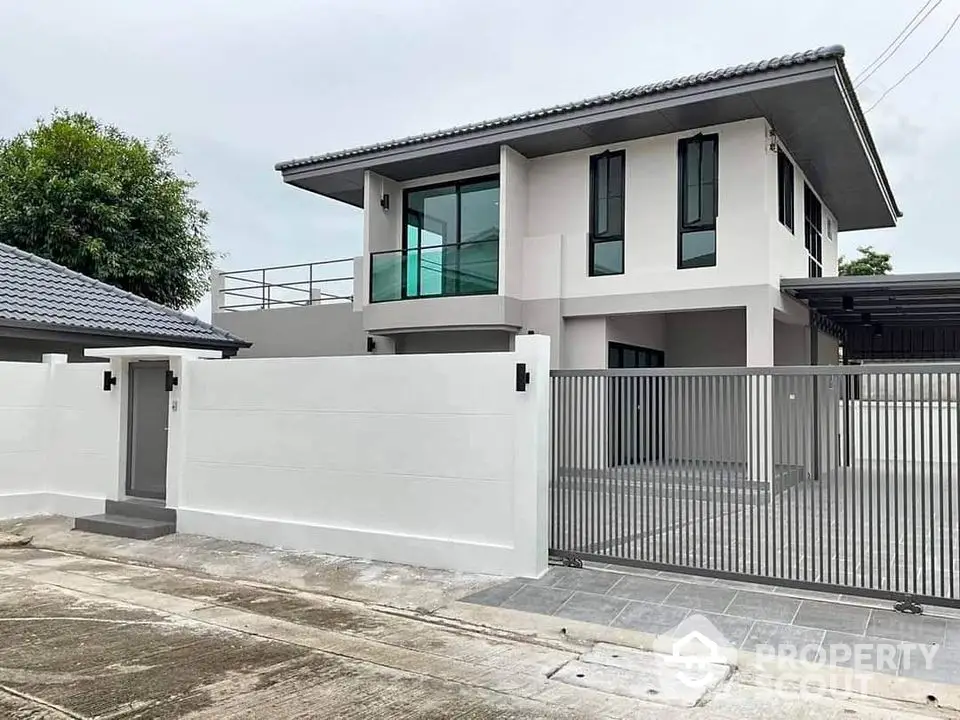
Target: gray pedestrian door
147, 431
845, 479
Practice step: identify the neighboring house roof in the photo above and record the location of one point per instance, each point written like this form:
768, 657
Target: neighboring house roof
38, 294
760, 89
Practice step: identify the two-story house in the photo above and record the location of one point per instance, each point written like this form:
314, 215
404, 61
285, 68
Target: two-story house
646, 227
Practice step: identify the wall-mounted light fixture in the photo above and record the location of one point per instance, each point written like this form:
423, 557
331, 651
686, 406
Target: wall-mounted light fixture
109, 380
170, 381
371, 344
385, 201
848, 302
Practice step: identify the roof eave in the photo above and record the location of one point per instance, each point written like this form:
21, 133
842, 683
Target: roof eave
361, 159
218, 343
860, 119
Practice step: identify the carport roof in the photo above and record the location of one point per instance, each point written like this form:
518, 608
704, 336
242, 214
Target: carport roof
807, 97
902, 300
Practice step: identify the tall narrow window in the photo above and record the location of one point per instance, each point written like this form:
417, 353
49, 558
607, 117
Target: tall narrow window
813, 231
785, 190
606, 213
697, 241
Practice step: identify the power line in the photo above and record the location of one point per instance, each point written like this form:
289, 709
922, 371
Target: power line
909, 72
907, 31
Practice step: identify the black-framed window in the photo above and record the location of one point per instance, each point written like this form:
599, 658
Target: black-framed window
450, 239
607, 186
813, 231
697, 233
785, 190
622, 356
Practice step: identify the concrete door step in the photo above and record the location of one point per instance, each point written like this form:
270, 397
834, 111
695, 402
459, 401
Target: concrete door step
654, 677
146, 509
125, 526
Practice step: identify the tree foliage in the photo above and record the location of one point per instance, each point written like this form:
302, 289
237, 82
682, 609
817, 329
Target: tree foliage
87, 195
869, 262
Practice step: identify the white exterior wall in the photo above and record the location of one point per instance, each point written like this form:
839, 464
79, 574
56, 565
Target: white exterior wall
22, 426
381, 228
558, 197
788, 250
388, 457
59, 438
513, 220
647, 330
585, 343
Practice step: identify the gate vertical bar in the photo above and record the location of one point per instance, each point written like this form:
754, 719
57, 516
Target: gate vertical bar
939, 465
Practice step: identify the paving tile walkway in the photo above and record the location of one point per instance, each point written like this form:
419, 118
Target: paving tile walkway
821, 625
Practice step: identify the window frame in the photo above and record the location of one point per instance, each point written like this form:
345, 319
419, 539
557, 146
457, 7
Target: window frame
405, 249
682, 227
594, 238
785, 210
813, 236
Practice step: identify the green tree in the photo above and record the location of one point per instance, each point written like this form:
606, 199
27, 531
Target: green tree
88, 196
869, 262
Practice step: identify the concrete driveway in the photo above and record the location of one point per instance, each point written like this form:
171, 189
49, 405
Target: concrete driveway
98, 628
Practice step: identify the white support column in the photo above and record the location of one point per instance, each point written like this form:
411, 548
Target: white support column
216, 290
531, 466
760, 457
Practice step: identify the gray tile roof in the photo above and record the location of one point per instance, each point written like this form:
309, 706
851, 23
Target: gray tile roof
35, 291
833, 52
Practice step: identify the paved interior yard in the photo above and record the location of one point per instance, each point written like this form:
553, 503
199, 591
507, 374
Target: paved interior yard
105, 628
746, 615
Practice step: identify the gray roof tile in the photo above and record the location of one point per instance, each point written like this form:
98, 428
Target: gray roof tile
833, 52
35, 290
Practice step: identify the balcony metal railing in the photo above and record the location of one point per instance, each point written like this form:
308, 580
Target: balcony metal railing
286, 286
438, 271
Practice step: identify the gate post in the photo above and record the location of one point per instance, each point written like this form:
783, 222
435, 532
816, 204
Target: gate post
759, 320
531, 466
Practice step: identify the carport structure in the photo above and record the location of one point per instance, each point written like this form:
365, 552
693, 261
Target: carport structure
886, 317
837, 477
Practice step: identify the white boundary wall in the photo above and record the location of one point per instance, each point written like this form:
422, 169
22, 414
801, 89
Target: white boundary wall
432, 460
59, 438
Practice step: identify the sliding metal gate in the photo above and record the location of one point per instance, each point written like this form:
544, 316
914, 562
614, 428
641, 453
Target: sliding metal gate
841, 477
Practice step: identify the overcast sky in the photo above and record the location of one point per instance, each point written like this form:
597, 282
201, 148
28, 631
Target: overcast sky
242, 84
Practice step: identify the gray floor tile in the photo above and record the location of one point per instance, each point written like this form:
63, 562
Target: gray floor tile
630, 570
745, 585
943, 665
685, 577
592, 581
496, 594
552, 576
951, 637
763, 606
786, 640
861, 653
542, 600
708, 598
589, 607
832, 616
644, 589
650, 618
909, 628
806, 594
733, 629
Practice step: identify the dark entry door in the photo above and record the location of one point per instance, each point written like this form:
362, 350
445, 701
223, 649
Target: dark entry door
635, 411
147, 431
